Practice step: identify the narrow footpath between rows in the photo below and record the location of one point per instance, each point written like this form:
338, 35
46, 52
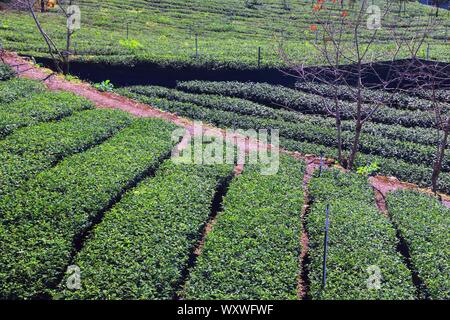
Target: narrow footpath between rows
55, 82
312, 164
381, 188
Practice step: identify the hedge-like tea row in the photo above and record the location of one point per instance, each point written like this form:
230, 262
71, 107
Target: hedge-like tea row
40, 107
279, 96
361, 242
31, 150
404, 171
415, 173
18, 88
41, 220
424, 223
245, 107
396, 100
141, 247
440, 94
410, 152
252, 251
6, 72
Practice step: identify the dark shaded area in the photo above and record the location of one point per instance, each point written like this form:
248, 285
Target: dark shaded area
443, 5
404, 74
155, 74
403, 249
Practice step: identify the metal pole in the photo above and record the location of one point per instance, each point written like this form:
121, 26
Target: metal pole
196, 45
321, 164
325, 248
259, 57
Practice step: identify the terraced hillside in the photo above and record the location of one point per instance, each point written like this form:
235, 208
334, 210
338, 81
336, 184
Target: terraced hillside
229, 32
96, 189
400, 136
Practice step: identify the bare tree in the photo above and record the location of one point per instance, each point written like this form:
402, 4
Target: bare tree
348, 39
345, 40
53, 50
59, 57
432, 76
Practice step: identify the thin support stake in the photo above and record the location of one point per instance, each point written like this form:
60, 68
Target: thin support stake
321, 164
259, 57
325, 248
196, 45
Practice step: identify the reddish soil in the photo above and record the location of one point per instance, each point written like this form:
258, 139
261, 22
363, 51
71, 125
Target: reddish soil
383, 185
312, 164
55, 82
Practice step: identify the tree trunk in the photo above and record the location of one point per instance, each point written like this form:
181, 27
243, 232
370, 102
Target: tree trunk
359, 122
46, 38
338, 130
440, 154
67, 53
42, 6
351, 159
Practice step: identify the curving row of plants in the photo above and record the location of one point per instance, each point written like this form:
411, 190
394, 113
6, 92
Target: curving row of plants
440, 94
245, 107
398, 100
141, 247
362, 261
42, 220
31, 150
424, 224
252, 251
282, 97
410, 152
40, 107
18, 88
6, 72
418, 174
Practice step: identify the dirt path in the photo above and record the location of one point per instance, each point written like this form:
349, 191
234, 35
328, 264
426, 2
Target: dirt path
383, 185
312, 164
55, 82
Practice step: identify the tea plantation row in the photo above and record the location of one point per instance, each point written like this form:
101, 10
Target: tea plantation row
252, 251
282, 97
31, 150
424, 223
42, 219
359, 238
306, 133
230, 32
